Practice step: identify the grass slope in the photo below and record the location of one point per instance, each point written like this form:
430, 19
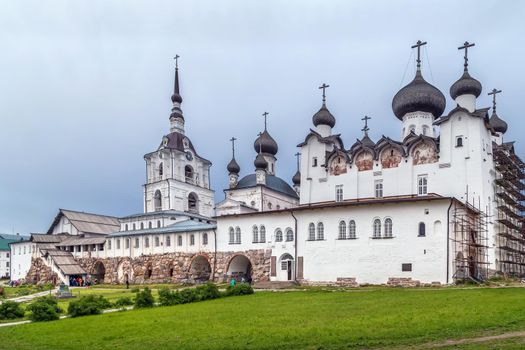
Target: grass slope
312, 320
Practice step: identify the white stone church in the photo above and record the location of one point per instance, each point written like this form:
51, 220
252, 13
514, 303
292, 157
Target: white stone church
441, 203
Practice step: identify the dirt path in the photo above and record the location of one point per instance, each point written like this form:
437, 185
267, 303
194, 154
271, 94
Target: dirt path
30, 297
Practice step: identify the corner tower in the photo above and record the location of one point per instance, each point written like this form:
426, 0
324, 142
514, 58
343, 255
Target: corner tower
177, 177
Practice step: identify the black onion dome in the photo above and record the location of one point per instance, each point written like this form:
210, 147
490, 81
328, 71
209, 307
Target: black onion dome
265, 144
418, 95
324, 117
498, 124
296, 179
176, 97
466, 85
233, 167
260, 162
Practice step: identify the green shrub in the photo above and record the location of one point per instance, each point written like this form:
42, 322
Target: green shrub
144, 299
123, 301
208, 291
44, 309
10, 310
188, 295
168, 297
239, 289
135, 290
88, 305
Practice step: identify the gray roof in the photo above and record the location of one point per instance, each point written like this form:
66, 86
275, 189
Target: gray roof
182, 226
272, 182
175, 140
465, 85
48, 238
88, 222
166, 213
73, 240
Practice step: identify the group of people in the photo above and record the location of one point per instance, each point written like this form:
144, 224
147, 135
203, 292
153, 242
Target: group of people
15, 283
80, 282
244, 280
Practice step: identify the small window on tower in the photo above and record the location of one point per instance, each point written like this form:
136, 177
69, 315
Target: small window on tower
314, 161
406, 267
459, 141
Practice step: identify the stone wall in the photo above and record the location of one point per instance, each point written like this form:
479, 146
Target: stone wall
177, 267
402, 282
40, 273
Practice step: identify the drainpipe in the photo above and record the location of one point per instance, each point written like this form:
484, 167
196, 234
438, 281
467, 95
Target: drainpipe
295, 258
214, 253
448, 237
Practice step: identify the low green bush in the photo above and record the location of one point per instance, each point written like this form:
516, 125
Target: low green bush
208, 291
144, 299
88, 305
10, 310
188, 295
44, 309
168, 297
239, 289
123, 301
135, 290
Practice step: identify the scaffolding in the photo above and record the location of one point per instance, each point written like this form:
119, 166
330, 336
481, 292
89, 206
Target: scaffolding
508, 226
469, 241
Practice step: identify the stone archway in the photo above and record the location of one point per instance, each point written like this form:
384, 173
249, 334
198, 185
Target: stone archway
125, 272
99, 272
239, 266
200, 269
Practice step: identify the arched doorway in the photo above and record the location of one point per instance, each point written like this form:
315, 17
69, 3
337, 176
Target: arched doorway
286, 266
125, 272
99, 272
157, 200
188, 173
148, 272
240, 266
200, 269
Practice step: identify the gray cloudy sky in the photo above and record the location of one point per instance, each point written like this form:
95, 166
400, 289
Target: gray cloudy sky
85, 85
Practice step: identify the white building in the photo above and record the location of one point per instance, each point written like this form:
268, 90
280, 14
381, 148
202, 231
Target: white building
442, 203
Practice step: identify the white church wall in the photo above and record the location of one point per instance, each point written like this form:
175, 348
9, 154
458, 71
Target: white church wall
5, 261
21, 253
64, 226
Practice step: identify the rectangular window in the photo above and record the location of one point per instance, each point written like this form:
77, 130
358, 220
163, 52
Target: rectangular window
459, 141
118, 243
422, 185
314, 161
7, 264
339, 193
179, 241
7, 255
406, 267
168, 241
284, 265
137, 242
378, 185
127, 243
109, 244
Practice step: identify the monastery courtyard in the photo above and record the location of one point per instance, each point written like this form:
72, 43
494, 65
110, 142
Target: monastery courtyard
299, 318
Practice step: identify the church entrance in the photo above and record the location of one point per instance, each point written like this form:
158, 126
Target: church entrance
240, 267
287, 265
200, 269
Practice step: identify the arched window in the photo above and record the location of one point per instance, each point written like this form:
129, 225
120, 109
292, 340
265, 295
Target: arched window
262, 237
146, 242
377, 228
204, 238
137, 242
134, 227
311, 232
126, 227
157, 200
342, 229
388, 227
157, 241
255, 232
232, 235
150, 225
425, 130
188, 173
179, 240
351, 229
278, 235
421, 231
238, 235
142, 226
289, 235
459, 141
192, 203
320, 231
161, 170
412, 128
158, 223
192, 239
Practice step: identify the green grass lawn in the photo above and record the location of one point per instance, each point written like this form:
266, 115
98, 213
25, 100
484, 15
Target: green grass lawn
310, 319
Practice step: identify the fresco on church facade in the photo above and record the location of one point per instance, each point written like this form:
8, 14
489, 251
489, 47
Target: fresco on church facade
390, 158
338, 166
364, 161
424, 153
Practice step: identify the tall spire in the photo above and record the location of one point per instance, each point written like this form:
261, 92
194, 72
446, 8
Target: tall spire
233, 167
296, 179
176, 117
323, 116
498, 124
466, 85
